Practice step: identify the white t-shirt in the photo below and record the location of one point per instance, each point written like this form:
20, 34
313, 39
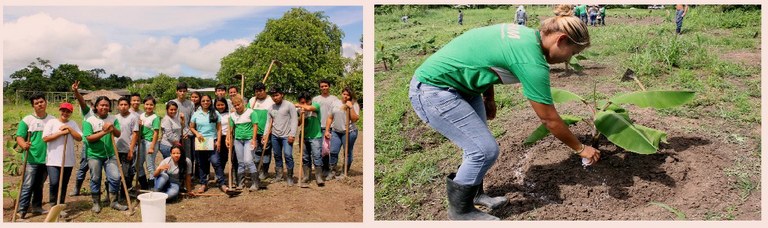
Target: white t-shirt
326, 105
224, 120
173, 170
56, 147
128, 125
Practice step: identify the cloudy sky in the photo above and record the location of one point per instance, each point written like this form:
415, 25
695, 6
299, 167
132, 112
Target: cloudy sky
142, 41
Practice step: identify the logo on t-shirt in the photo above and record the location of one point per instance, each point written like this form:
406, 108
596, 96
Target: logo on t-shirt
513, 31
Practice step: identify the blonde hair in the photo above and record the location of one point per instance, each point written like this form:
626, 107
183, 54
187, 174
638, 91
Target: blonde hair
237, 99
565, 22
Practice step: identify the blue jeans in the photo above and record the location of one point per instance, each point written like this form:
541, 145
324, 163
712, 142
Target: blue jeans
592, 18
244, 153
53, 185
32, 186
164, 184
206, 159
80, 175
583, 17
110, 168
312, 151
337, 140
128, 169
678, 21
462, 120
165, 150
148, 158
282, 149
267, 153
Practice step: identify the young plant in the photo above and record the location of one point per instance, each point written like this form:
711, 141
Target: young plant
13, 161
613, 121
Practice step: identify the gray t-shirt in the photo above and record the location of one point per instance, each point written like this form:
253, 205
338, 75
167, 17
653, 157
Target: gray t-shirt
340, 116
284, 119
128, 125
186, 107
326, 104
170, 127
173, 170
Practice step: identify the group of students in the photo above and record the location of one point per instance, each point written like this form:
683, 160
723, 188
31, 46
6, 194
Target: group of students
201, 130
593, 15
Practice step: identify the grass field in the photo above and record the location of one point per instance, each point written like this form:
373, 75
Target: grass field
718, 57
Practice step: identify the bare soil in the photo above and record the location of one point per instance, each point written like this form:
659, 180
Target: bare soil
338, 201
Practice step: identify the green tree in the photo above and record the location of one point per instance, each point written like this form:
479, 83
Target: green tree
32, 78
162, 87
307, 44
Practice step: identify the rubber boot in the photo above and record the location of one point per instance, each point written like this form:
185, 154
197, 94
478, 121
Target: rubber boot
289, 177
240, 180
334, 170
304, 182
114, 204
96, 198
461, 201
255, 182
143, 183
278, 174
78, 185
319, 176
263, 171
490, 202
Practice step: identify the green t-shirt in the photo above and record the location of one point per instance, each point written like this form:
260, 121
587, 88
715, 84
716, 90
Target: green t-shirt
581, 9
34, 126
312, 123
260, 107
103, 148
149, 124
602, 11
481, 57
243, 124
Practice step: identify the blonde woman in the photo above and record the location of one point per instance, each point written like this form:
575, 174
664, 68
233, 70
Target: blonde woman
453, 92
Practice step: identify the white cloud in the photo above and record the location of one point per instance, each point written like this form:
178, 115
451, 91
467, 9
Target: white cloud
349, 50
64, 41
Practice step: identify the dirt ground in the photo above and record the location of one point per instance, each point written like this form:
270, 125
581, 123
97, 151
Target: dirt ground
548, 182
338, 201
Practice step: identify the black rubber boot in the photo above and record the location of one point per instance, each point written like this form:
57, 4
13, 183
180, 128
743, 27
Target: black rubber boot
278, 174
114, 204
240, 180
143, 183
490, 202
289, 177
334, 170
461, 201
96, 198
263, 171
78, 185
319, 176
255, 182
304, 182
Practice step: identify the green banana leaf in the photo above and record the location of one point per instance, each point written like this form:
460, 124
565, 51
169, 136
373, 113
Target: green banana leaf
624, 134
542, 130
562, 96
655, 99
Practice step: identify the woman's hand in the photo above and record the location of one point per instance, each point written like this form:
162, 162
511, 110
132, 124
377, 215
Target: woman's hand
164, 167
590, 153
327, 134
200, 137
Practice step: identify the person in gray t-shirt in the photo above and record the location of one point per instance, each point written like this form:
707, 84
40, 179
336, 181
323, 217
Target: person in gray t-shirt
282, 125
344, 116
171, 171
186, 108
326, 101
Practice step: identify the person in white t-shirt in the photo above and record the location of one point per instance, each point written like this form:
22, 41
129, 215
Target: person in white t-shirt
60, 135
326, 101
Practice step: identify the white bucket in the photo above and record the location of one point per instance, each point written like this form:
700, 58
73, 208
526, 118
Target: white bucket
153, 206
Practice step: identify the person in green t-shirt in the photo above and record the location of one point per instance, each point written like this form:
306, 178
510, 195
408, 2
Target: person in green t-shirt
244, 125
150, 134
453, 92
29, 136
313, 138
260, 103
99, 130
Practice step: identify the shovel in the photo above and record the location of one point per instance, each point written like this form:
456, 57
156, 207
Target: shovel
122, 179
346, 144
21, 182
302, 184
53, 213
230, 190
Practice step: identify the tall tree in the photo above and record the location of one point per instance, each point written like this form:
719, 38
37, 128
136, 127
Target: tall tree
307, 44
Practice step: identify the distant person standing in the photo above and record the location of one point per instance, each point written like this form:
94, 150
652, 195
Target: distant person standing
593, 15
581, 12
602, 15
461, 17
520, 16
680, 11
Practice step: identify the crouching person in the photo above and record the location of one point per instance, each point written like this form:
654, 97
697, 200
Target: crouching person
169, 173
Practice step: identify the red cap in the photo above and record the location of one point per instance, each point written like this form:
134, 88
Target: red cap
66, 106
